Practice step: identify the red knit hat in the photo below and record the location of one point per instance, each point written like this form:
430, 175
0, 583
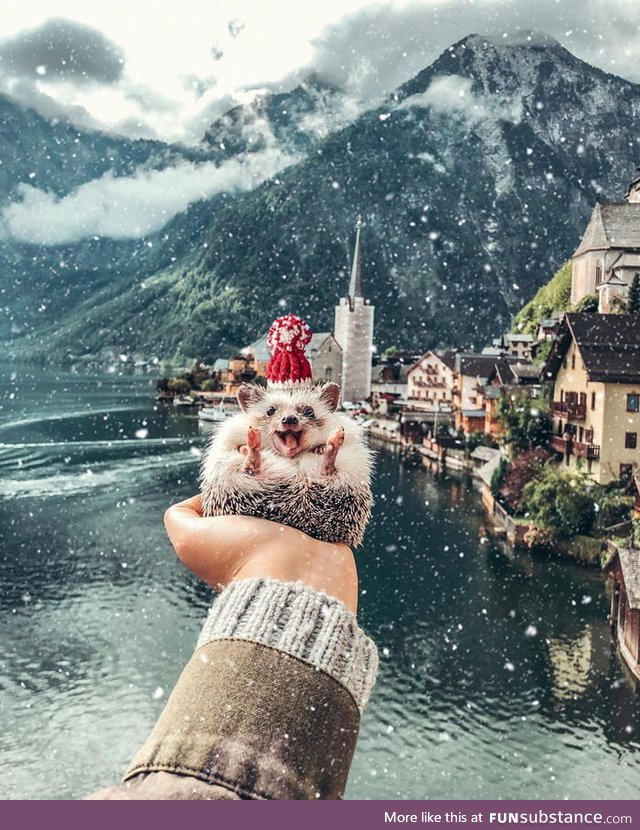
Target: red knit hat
288, 367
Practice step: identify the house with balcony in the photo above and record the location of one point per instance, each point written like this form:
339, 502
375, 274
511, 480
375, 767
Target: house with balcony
595, 369
430, 382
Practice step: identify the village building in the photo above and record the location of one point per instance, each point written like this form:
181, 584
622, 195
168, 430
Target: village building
624, 570
388, 384
239, 369
506, 378
608, 256
547, 328
595, 367
430, 382
354, 332
515, 345
471, 372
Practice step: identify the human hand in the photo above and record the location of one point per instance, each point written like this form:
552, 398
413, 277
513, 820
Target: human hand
221, 549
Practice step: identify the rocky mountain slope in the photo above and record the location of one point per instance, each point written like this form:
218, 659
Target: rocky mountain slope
475, 180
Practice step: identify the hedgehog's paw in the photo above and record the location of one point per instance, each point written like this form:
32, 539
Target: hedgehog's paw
251, 452
334, 442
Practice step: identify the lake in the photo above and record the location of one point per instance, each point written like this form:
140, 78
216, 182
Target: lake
498, 676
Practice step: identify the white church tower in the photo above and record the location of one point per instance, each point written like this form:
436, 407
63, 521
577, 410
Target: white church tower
354, 332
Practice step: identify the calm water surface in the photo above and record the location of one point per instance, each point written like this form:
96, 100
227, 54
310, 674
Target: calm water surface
498, 677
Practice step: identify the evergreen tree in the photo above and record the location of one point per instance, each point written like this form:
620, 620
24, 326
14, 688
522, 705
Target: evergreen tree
633, 301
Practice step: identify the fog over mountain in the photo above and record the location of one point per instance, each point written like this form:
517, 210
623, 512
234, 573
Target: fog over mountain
475, 179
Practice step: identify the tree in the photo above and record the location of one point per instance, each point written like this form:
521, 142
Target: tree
589, 303
560, 505
179, 386
518, 474
633, 300
553, 296
212, 384
526, 422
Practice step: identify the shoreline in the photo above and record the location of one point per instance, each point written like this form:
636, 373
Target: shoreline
584, 550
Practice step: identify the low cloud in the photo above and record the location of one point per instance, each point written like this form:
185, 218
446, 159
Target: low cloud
454, 94
61, 49
133, 206
371, 52
31, 97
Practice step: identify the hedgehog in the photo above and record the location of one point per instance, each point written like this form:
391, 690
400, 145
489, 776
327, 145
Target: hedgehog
289, 455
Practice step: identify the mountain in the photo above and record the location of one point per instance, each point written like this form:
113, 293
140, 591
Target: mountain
475, 178
55, 156
295, 120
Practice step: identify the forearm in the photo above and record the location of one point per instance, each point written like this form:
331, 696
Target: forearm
273, 692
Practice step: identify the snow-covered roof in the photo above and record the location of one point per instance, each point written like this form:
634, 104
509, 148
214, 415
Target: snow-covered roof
485, 473
485, 453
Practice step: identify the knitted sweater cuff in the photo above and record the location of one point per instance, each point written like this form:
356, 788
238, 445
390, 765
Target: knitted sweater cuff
301, 622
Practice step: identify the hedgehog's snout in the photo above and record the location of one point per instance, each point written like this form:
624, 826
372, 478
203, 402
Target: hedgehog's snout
291, 420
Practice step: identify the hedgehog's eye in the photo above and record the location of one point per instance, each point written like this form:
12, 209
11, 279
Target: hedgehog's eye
271, 411
308, 413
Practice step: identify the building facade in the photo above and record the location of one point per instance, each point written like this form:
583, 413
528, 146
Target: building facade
354, 332
595, 367
430, 381
471, 374
608, 256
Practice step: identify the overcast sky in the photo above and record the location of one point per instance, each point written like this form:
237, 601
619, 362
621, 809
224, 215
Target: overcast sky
145, 68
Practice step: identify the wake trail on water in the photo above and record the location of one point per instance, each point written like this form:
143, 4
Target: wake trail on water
130, 473
64, 416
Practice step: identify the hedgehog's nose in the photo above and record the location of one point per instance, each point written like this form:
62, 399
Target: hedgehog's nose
290, 419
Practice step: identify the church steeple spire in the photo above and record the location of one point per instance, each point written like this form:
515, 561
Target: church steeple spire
354, 332
355, 283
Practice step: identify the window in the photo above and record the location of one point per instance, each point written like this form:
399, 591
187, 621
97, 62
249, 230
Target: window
327, 373
630, 440
633, 403
598, 273
593, 400
573, 361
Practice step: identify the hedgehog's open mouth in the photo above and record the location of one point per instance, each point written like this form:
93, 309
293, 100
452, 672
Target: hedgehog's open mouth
288, 442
